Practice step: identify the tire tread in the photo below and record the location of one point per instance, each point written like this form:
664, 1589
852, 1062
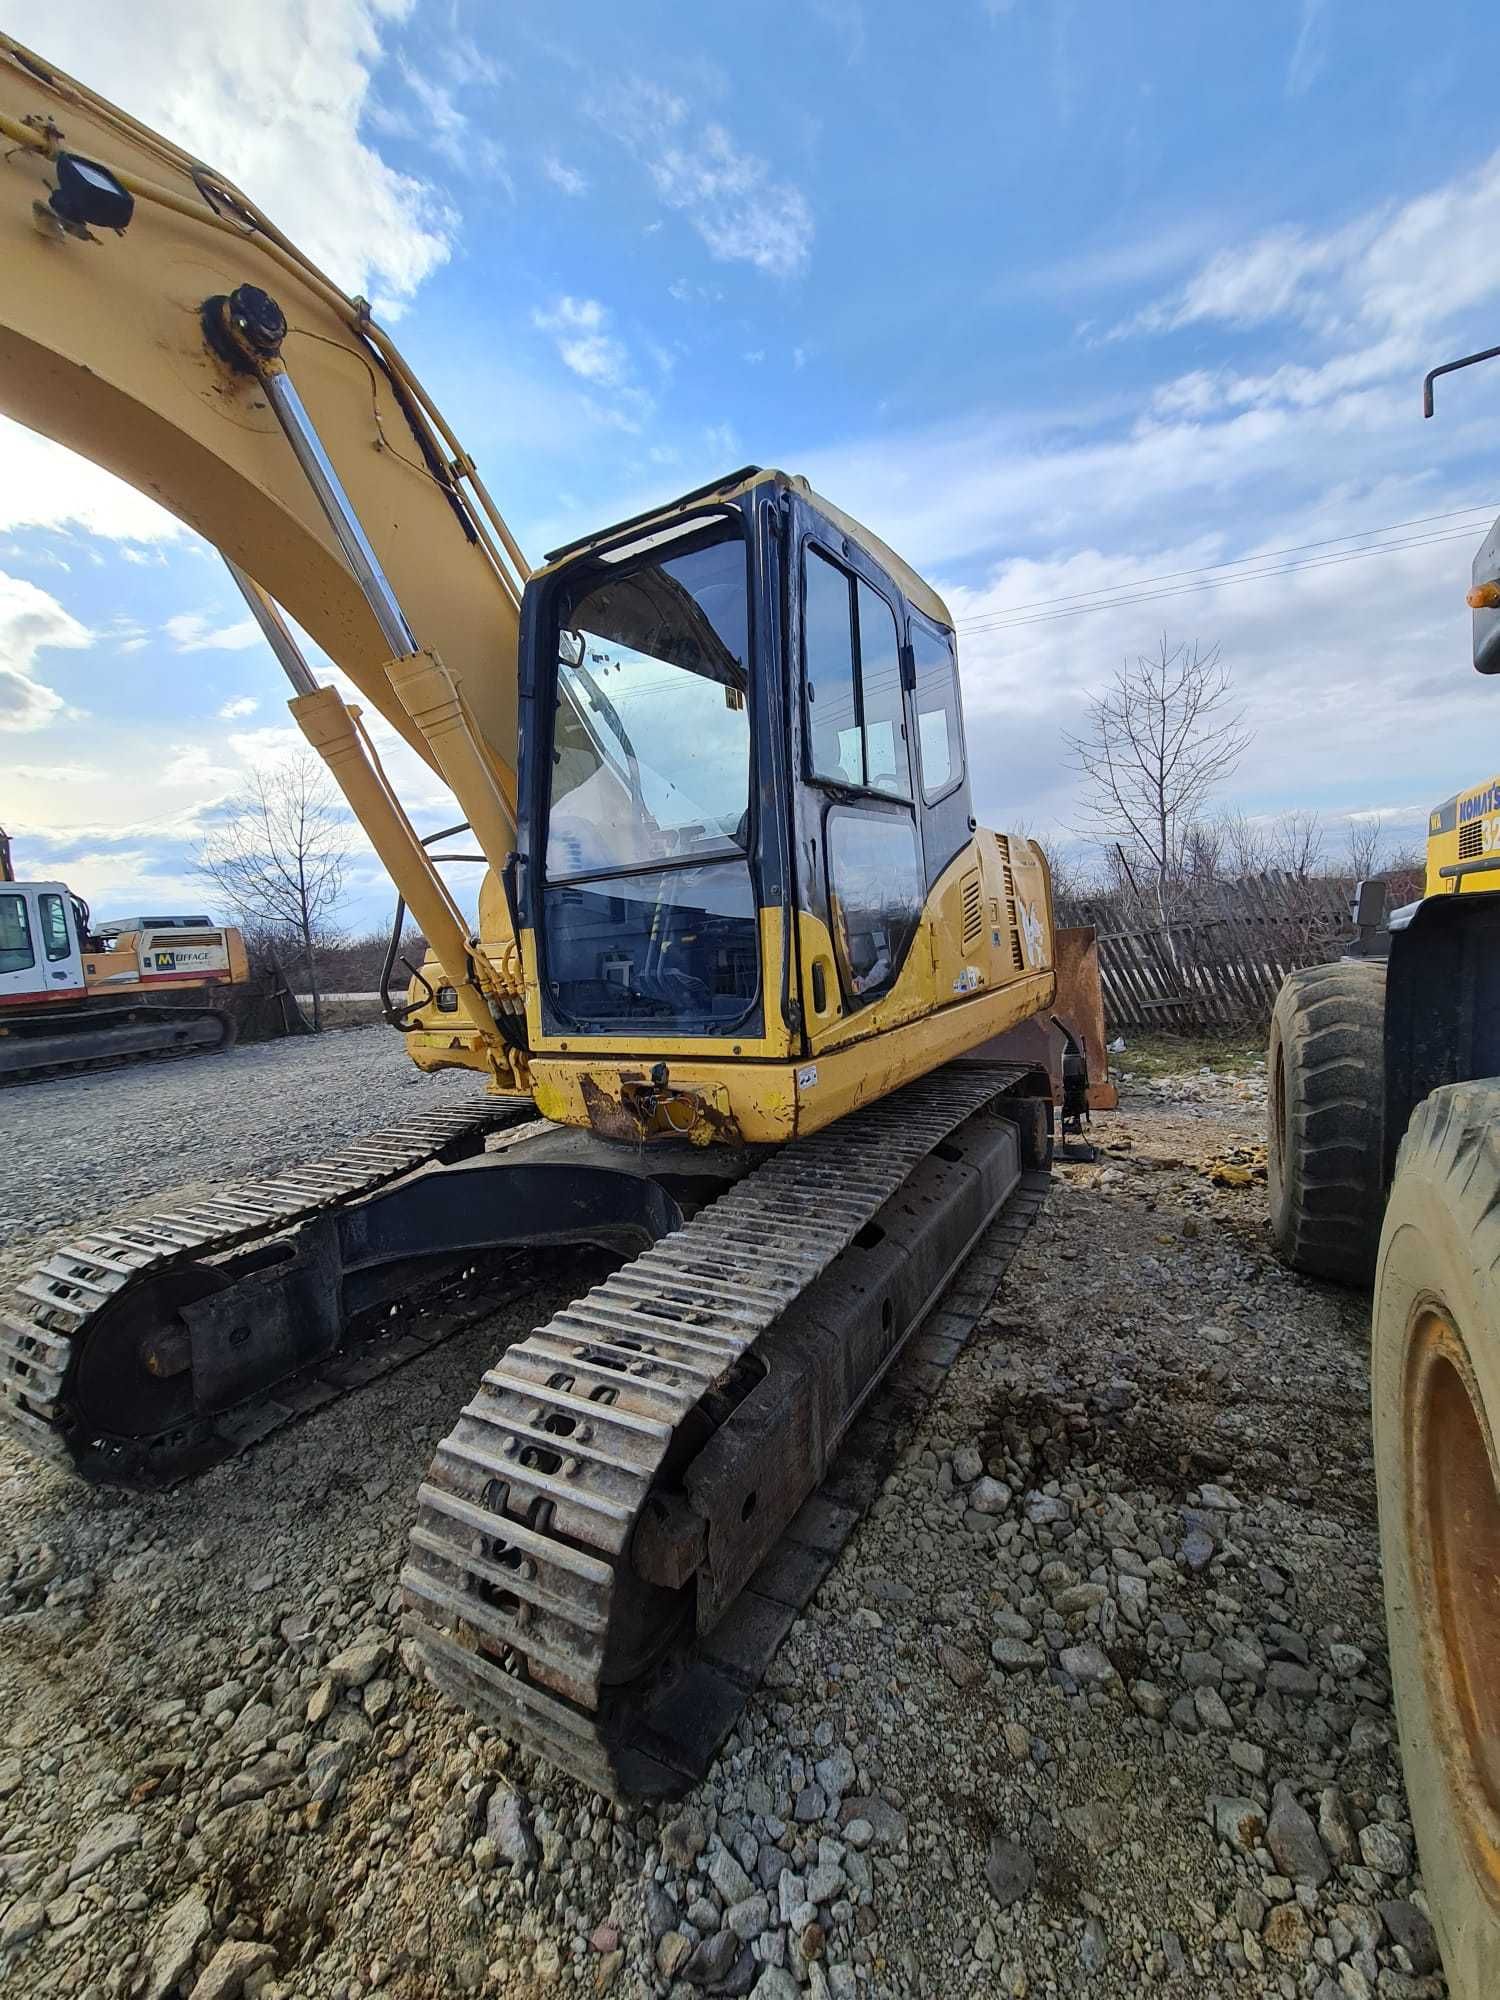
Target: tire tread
1329, 1021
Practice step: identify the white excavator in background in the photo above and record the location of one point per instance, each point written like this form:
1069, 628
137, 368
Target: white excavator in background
76, 994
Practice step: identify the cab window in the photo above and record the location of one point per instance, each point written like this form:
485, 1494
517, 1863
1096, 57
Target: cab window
57, 938
16, 954
939, 731
875, 896
887, 760
852, 673
828, 652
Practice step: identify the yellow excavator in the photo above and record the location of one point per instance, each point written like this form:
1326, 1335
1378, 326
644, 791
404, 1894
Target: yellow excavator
794, 1024
78, 994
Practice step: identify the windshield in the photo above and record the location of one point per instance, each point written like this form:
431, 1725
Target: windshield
651, 741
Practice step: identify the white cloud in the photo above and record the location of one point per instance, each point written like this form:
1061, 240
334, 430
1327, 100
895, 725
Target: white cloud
729, 196
1396, 272
1348, 658
449, 129
582, 341
55, 774
275, 744
570, 179
192, 767
1338, 664
31, 621
1310, 51
33, 558
846, 19
731, 200
120, 879
1163, 247
638, 111
47, 487
191, 632
1269, 278
235, 711
272, 95
587, 347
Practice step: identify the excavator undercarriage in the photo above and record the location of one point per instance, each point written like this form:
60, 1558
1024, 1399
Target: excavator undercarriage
624, 1521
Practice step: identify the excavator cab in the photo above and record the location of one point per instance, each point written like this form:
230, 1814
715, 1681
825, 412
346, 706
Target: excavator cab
743, 788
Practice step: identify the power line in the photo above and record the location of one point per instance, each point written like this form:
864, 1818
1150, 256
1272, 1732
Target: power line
1222, 582
1126, 594
1239, 562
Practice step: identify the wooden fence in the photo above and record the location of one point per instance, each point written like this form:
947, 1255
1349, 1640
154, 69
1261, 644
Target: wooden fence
1220, 961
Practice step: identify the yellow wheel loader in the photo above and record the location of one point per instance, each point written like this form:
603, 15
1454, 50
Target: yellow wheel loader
77, 994
791, 1018
1384, 1169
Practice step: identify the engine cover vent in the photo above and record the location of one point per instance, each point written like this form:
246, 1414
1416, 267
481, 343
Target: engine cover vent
971, 892
1017, 956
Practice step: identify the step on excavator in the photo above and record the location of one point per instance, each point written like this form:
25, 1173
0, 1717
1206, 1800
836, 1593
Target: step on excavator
77, 994
759, 1008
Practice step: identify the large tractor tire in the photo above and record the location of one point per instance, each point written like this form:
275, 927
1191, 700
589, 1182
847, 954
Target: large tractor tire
1436, 1394
1325, 1088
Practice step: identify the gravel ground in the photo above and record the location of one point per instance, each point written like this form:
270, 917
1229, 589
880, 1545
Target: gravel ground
80, 1147
1095, 1701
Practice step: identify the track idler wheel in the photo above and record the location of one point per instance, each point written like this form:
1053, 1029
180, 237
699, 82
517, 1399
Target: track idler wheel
133, 1380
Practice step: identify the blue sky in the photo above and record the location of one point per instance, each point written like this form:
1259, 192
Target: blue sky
1059, 298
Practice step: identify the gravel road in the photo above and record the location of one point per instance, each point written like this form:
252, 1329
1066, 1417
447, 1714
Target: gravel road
1095, 1701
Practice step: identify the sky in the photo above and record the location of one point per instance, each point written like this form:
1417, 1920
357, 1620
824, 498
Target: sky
1091, 311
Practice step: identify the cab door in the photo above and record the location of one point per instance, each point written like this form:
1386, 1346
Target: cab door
40, 955
860, 871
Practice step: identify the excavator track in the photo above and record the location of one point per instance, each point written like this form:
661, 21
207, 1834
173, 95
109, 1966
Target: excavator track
520, 1579
140, 1035
48, 1315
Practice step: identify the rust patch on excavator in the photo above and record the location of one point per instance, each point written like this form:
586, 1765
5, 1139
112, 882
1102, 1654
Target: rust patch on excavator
608, 1115
644, 1112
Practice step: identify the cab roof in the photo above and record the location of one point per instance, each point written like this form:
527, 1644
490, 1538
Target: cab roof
917, 591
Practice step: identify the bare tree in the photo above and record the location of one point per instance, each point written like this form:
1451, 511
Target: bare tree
1246, 847
1405, 875
1158, 741
1296, 843
277, 858
1073, 881
1203, 851
1364, 835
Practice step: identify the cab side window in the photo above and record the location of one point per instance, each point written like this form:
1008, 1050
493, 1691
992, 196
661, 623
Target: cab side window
828, 651
852, 672
939, 731
57, 939
887, 760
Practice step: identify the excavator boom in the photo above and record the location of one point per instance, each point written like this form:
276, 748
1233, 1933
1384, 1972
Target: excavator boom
101, 348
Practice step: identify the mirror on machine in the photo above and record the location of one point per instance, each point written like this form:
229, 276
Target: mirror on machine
1484, 598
